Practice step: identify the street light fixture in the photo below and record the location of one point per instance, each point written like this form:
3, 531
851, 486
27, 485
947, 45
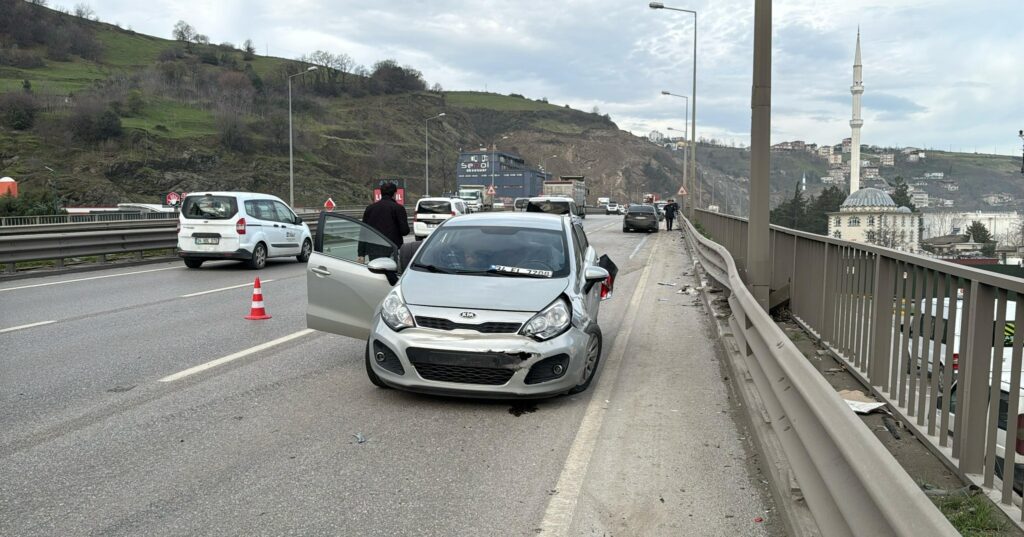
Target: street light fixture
544, 162
1021, 134
426, 151
693, 110
291, 154
493, 164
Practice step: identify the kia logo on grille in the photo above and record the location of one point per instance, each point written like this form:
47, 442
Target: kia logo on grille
467, 315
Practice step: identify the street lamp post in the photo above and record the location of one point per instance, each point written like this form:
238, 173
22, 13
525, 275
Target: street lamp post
493, 164
544, 162
758, 255
291, 154
426, 151
1021, 134
693, 109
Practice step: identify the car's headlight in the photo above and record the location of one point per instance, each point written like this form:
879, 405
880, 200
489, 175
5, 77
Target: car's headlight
395, 313
550, 322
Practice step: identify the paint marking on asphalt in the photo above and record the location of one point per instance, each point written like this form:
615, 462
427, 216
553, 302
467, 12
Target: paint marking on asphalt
232, 357
24, 326
222, 289
562, 506
639, 246
87, 279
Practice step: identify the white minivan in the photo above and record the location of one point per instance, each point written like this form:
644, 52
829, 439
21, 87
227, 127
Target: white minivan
245, 226
431, 212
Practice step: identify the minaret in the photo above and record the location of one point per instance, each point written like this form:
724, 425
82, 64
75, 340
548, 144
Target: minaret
857, 89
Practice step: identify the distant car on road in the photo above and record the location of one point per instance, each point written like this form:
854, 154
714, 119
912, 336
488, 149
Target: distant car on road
640, 218
611, 208
245, 226
660, 205
491, 305
432, 212
555, 205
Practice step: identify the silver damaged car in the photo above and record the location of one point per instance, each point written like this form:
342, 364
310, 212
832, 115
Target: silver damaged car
491, 305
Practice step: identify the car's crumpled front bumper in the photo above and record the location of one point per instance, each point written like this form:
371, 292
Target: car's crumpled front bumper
510, 352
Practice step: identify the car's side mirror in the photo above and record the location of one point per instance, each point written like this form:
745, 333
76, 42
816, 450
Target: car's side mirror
593, 276
298, 220
385, 266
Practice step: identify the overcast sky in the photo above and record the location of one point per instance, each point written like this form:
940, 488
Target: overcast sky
938, 73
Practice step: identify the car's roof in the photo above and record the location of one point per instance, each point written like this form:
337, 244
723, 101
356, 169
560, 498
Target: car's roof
438, 198
234, 194
511, 219
551, 198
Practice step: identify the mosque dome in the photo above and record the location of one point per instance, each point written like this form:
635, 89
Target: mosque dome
868, 197
904, 209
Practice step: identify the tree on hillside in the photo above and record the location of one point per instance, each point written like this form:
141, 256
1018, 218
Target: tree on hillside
84, 11
902, 194
185, 33
828, 201
980, 233
791, 213
248, 50
389, 77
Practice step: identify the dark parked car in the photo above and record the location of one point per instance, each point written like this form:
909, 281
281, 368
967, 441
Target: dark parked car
640, 217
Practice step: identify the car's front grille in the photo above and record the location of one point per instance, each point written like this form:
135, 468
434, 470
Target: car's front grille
464, 374
489, 368
438, 323
386, 358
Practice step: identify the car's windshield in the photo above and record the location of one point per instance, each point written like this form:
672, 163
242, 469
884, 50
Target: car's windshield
495, 251
209, 207
548, 206
434, 207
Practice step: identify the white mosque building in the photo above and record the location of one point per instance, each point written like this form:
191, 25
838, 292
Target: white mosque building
869, 215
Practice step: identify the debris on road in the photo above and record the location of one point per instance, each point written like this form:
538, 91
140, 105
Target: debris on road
891, 426
969, 490
360, 439
670, 284
859, 402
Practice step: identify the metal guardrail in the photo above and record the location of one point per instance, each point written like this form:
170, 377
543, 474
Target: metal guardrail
852, 485
6, 221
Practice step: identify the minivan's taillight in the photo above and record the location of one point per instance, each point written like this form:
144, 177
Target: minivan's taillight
1020, 433
453, 213
240, 226
956, 361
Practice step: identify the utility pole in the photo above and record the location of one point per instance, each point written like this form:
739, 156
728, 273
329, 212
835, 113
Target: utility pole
758, 235
1021, 134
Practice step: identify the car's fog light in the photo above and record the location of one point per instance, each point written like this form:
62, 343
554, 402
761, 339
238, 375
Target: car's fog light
558, 369
380, 357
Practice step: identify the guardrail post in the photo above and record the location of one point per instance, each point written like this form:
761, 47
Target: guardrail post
881, 320
60, 262
974, 372
10, 268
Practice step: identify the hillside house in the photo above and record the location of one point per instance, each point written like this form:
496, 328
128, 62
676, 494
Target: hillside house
825, 151
835, 159
888, 160
846, 145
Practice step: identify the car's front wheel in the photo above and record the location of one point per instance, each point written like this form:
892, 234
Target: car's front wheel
307, 249
593, 359
369, 370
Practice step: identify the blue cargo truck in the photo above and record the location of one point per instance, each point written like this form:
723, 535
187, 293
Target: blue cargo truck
509, 174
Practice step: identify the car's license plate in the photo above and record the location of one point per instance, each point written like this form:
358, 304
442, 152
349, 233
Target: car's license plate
431, 224
207, 240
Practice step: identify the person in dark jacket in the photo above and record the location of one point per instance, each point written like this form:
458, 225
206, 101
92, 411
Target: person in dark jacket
387, 217
670, 213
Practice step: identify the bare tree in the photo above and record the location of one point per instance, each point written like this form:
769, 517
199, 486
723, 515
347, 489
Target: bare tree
436, 88
185, 33
84, 11
248, 50
202, 39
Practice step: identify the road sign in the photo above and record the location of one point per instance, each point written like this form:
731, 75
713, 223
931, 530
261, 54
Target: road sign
491, 191
399, 196
173, 198
329, 204
682, 191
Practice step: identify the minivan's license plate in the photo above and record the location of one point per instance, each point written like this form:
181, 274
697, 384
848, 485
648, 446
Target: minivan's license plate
207, 240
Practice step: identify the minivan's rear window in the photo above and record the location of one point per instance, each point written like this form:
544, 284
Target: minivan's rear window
209, 207
434, 207
553, 207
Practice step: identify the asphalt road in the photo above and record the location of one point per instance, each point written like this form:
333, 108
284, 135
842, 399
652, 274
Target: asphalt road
93, 442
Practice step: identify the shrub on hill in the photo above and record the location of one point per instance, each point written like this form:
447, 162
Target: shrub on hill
18, 110
91, 121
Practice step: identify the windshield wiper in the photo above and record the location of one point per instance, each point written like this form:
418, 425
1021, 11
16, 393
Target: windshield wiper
433, 268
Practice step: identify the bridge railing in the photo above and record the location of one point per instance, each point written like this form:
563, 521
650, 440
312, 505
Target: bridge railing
936, 340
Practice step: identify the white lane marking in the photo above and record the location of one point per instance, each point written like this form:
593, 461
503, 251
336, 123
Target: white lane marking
562, 506
639, 246
24, 326
87, 279
222, 289
231, 357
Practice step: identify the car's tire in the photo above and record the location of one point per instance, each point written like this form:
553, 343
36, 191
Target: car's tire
369, 370
259, 256
405, 253
192, 262
307, 250
593, 358
625, 229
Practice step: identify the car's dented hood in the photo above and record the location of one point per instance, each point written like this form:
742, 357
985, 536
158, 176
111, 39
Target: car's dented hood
480, 292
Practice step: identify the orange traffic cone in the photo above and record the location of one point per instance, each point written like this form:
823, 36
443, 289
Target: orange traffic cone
257, 313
